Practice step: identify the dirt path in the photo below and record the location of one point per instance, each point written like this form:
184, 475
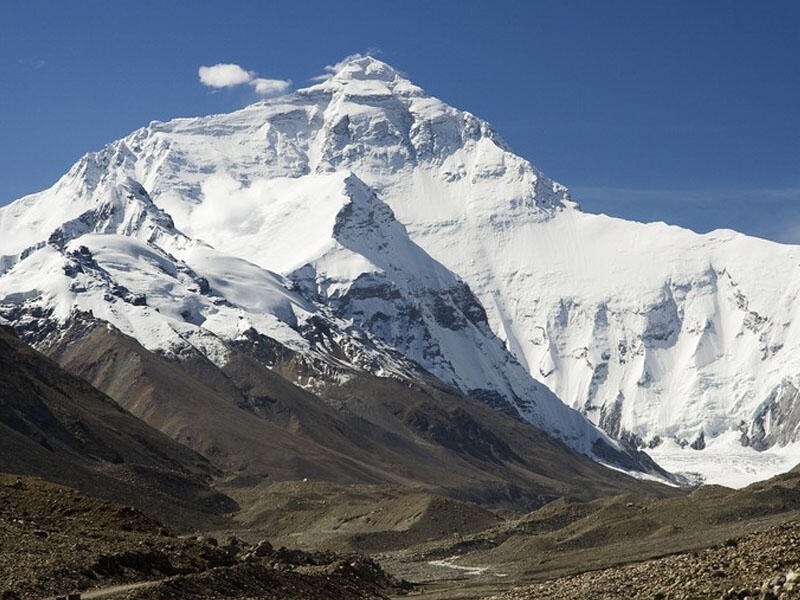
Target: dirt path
110, 592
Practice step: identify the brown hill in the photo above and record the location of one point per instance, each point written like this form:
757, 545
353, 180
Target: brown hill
57, 426
251, 421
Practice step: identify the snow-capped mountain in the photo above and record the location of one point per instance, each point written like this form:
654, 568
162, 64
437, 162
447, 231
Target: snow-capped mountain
355, 292
412, 230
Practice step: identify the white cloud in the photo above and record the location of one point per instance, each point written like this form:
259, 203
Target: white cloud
336, 67
229, 206
369, 53
224, 75
267, 87
331, 70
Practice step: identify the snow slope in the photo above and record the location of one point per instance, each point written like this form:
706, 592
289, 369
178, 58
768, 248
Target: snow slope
379, 203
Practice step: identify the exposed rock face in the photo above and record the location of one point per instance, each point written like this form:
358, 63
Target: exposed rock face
777, 420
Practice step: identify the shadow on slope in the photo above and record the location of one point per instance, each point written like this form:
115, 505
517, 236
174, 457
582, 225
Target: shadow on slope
57, 426
252, 422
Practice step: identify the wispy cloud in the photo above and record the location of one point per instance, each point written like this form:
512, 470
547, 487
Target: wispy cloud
225, 75
771, 213
35, 63
331, 70
267, 87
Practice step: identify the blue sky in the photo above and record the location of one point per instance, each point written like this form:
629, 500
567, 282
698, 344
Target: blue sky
687, 112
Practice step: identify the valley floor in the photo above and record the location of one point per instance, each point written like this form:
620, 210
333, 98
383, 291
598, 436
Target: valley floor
713, 543
763, 565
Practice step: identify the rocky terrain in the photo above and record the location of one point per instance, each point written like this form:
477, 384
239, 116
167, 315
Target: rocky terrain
568, 539
54, 540
712, 543
763, 565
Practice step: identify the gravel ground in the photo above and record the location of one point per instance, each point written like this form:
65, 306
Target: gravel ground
54, 540
763, 566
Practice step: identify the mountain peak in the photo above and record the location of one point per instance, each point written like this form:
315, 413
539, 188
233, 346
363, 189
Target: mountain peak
363, 67
364, 75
